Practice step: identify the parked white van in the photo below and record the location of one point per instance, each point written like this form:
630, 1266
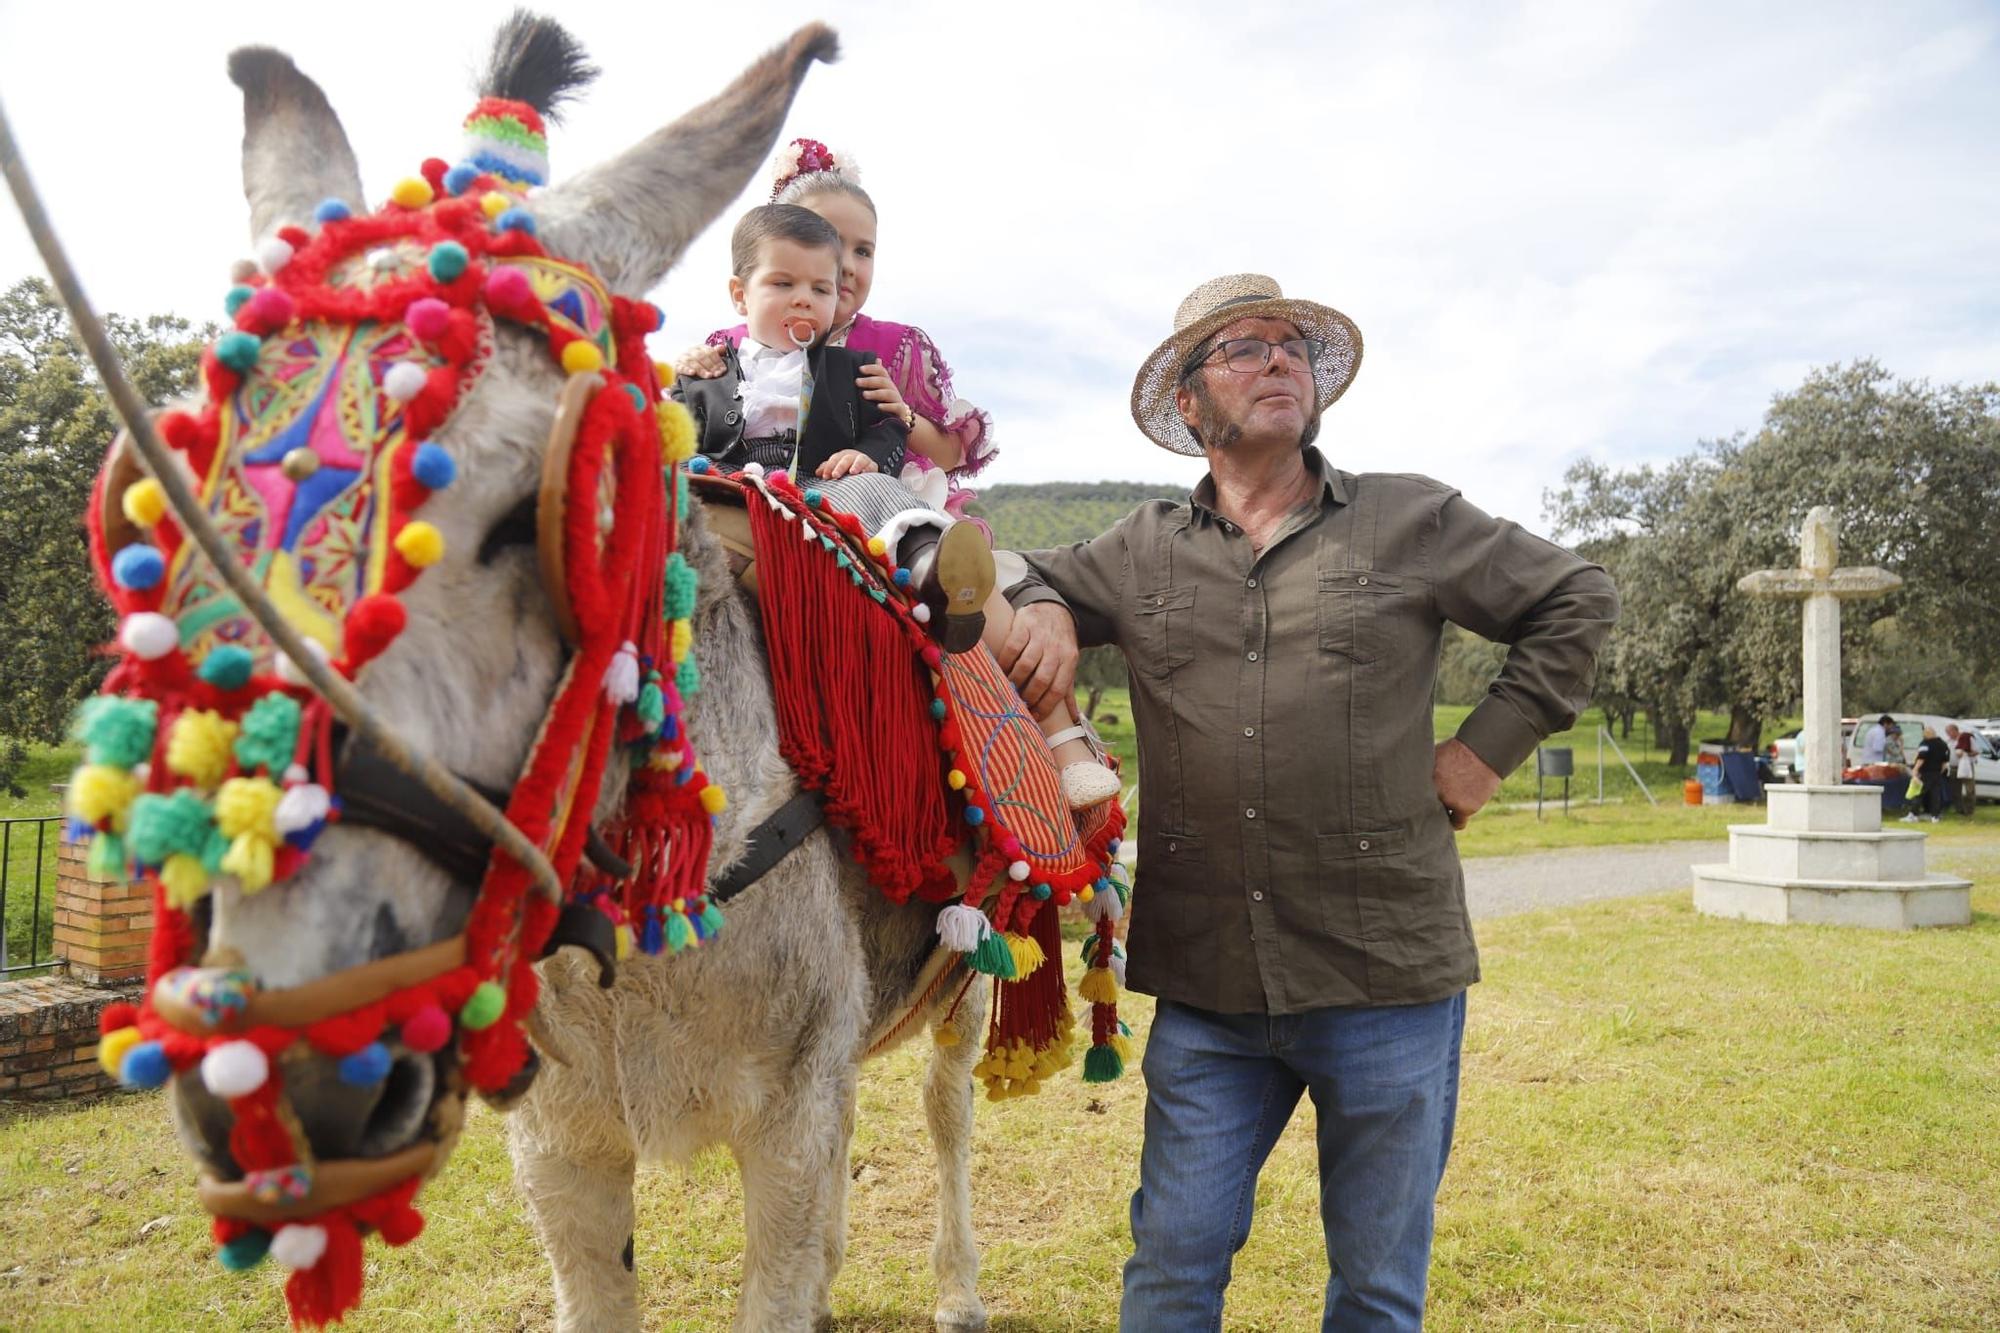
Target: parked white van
1985, 755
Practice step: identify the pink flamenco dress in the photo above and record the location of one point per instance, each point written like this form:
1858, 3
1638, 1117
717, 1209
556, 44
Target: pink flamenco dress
924, 380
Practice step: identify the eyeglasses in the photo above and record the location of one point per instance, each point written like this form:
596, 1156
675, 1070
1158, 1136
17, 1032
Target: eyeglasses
1248, 356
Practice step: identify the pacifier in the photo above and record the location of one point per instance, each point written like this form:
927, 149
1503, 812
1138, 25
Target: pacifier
801, 332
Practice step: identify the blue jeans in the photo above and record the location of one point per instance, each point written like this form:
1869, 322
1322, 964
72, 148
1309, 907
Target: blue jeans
1219, 1090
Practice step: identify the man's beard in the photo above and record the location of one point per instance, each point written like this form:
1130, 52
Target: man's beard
1217, 432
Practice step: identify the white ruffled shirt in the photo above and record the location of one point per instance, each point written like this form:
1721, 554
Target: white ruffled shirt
772, 380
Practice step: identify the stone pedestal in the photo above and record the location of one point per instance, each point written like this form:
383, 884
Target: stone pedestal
102, 929
1823, 858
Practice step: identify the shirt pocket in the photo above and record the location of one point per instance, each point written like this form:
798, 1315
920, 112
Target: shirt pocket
1354, 868
1166, 629
1168, 893
1357, 610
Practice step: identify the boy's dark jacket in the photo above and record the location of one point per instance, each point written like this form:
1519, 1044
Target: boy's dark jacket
840, 417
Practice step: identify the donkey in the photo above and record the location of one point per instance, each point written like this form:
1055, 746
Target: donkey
754, 1040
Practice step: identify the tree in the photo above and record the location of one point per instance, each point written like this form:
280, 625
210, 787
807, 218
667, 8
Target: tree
1912, 470
55, 425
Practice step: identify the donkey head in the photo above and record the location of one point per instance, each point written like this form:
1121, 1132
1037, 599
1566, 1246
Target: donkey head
376, 447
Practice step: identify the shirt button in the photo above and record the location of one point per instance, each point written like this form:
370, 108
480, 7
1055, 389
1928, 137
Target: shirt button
1253, 657
1249, 814
1363, 580
1249, 731
1159, 601
1173, 846
1363, 844
1253, 583
1256, 895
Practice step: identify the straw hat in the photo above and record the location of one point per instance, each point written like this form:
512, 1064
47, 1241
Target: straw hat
1222, 301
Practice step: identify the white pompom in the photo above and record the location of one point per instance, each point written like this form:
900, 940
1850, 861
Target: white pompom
621, 678
297, 1246
288, 670
149, 635
1104, 905
142, 771
1117, 966
1018, 871
960, 928
273, 253
235, 1069
295, 774
303, 805
404, 381
753, 469
921, 614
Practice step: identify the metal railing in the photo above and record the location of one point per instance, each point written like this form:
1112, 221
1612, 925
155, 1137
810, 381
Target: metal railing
28, 893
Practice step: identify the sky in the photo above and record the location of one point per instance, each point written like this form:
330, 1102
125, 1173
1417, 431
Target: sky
1566, 230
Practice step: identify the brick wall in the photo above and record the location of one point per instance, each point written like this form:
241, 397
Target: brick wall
101, 929
48, 1038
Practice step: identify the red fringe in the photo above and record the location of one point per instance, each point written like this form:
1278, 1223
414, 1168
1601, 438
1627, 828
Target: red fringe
1035, 1009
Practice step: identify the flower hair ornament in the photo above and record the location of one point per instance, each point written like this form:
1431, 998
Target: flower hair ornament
810, 157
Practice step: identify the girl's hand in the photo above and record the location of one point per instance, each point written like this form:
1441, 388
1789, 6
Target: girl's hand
877, 387
701, 363
847, 463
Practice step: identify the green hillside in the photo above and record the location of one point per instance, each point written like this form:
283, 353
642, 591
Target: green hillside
1055, 513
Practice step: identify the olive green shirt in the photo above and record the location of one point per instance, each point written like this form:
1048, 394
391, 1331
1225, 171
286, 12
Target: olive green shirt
1293, 853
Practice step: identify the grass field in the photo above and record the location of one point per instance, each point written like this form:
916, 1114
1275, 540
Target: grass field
1667, 1123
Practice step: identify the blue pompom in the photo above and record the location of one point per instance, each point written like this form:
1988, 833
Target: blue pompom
246, 1251
78, 830
1041, 892
902, 578
145, 1066
937, 709
653, 937
814, 498
448, 260
332, 210
138, 567
433, 467
366, 1067
638, 396
227, 667
974, 815
237, 297
516, 219
238, 350
1111, 848
698, 464
670, 729
459, 179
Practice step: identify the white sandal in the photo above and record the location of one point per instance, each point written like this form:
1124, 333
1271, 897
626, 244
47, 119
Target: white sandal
1086, 782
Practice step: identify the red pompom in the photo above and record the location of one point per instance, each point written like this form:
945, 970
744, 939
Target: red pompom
508, 291
118, 1014
402, 1226
427, 1030
948, 736
372, 625
179, 430
427, 317
220, 379
268, 311
433, 170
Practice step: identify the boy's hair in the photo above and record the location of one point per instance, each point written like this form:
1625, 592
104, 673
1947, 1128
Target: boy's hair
778, 222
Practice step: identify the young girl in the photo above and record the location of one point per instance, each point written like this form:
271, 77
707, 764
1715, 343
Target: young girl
906, 377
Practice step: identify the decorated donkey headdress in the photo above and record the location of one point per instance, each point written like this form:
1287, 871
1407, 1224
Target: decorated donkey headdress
452, 382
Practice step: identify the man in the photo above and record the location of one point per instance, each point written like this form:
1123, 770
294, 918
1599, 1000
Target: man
1875, 743
1964, 769
1301, 914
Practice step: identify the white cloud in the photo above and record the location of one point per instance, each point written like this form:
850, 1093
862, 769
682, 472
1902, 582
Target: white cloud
1565, 228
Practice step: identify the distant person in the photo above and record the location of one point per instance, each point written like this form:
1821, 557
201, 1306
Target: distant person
1964, 770
1933, 758
1894, 749
1875, 741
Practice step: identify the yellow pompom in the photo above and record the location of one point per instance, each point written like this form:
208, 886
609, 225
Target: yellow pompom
1085, 894
198, 746
682, 640
1098, 986
111, 1048
100, 793
493, 203
186, 880
144, 502
679, 905
666, 373
676, 432
248, 806
250, 859
581, 357
412, 192
955, 780
623, 934
420, 544
714, 799
946, 1037
1027, 953
876, 546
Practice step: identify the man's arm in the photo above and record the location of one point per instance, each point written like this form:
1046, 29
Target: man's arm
1069, 591
1554, 609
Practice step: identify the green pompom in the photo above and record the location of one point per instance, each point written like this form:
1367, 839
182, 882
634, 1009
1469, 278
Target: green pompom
1102, 1065
711, 921
652, 706
163, 825
117, 731
682, 586
483, 1010
270, 734
992, 958
687, 679
106, 861
680, 496
679, 933
246, 1251
228, 667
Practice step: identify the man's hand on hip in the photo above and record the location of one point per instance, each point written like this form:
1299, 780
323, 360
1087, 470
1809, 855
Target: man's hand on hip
1040, 654
1464, 783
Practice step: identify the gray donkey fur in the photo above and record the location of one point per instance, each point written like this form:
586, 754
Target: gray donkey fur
754, 1040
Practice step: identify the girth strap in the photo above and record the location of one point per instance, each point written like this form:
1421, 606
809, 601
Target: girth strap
770, 842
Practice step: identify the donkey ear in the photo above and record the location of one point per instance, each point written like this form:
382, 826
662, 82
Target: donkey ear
631, 217
294, 152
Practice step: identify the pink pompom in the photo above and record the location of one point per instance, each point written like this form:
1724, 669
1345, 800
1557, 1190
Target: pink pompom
268, 311
428, 1030
507, 288
428, 318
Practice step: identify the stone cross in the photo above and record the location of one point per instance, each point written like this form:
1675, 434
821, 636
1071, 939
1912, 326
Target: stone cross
1822, 587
